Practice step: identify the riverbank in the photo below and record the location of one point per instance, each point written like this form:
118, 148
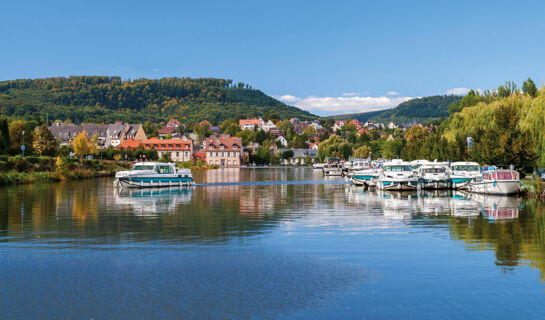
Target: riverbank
18, 170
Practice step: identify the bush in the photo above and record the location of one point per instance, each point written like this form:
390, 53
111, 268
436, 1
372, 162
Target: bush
32, 159
4, 158
4, 166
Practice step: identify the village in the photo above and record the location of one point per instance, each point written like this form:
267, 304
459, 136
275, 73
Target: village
231, 144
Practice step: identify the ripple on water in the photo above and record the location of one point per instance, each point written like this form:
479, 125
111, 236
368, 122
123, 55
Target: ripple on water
213, 283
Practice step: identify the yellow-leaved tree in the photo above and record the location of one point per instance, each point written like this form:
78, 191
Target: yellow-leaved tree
81, 145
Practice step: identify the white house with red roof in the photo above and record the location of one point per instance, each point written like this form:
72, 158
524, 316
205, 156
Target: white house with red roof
250, 124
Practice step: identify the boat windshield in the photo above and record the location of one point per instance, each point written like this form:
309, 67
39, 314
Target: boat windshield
142, 167
434, 170
466, 168
165, 169
397, 168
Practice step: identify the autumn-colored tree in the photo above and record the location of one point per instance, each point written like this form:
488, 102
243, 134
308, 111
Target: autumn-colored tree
81, 145
362, 152
43, 141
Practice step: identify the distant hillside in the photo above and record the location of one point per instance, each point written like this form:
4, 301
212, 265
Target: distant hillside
419, 110
101, 98
364, 116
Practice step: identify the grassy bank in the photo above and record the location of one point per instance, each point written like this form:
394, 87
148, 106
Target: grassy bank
18, 170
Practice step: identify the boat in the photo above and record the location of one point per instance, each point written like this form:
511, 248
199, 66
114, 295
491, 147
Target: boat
364, 174
462, 173
154, 174
397, 175
360, 164
433, 175
318, 166
333, 167
496, 181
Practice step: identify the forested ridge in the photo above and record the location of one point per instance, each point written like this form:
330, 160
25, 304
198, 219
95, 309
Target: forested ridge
414, 110
107, 99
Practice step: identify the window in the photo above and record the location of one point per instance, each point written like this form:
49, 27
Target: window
235, 146
211, 162
234, 162
178, 146
162, 146
222, 147
217, 162
141, 167
165, 169
177, 154
228, 162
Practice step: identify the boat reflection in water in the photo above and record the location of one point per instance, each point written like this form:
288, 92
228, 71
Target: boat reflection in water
405, 205
152, 201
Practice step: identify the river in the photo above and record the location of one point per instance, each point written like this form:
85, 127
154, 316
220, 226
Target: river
267, 244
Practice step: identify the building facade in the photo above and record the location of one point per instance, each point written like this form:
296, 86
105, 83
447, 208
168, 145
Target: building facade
223, 151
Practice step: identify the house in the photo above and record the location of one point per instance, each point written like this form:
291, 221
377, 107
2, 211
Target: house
363, 131
179, 149
107, 135
356, 123
313, 145
250, 124
253, 147
282, 141
391, 125
317, 125
299, 156
338, 125
223, 151
170, 128
300, 126
267, 126
276, 132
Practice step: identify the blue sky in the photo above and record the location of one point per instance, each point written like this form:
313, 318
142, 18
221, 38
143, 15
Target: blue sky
328, 57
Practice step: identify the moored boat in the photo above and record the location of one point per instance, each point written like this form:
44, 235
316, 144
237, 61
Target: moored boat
498, 181
462, 173
433, 175
333, 167
154, 174
397, 175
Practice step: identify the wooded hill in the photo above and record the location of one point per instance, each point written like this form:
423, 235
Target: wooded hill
102, 98
414, 110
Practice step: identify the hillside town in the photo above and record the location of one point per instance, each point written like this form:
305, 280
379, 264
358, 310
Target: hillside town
231, 144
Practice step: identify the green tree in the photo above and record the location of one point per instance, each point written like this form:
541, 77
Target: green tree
529, 87
5, 141
287, 154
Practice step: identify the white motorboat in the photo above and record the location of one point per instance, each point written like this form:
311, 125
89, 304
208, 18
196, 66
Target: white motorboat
154, 174
433, 175
462, 173
397, 175
363, 174
498, 181
318, 166
333, 167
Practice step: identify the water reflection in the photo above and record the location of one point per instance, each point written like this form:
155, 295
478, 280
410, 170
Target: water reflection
152, 202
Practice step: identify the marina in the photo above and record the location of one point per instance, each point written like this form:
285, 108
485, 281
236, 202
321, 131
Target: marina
295, 244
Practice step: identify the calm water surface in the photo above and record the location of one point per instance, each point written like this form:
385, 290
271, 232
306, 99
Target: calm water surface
304, 250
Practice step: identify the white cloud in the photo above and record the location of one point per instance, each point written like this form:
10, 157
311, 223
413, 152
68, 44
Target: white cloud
324, 106
458, 91
288, 98
393, 93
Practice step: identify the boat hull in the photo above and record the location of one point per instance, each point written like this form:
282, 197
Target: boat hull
333, 172
495, 187
460, 183
154, 182
409, 185
434, 184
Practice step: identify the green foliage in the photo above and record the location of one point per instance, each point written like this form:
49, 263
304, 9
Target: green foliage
102, 98
5, 141
165, 157
472, 98
335, 146
287, 154
529, 88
